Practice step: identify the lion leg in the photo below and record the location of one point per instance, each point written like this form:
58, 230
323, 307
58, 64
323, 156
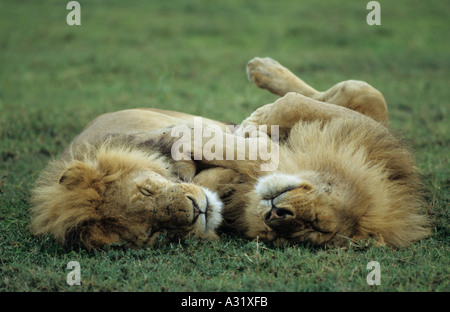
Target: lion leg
220, 180
268, 74
358, 96
246, 156
353, 94
292, 108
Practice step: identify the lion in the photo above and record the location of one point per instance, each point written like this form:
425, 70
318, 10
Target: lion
342, 177
113, 184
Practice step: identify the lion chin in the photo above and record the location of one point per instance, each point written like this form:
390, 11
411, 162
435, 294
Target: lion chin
114, 194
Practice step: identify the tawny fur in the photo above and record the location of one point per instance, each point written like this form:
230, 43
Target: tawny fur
355, 179
342, 176
92, 196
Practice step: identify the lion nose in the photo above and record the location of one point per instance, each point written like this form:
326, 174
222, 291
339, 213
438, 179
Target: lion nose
277, 213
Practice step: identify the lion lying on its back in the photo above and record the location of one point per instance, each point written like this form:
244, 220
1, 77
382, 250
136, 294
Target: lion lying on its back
337, 182
342, 176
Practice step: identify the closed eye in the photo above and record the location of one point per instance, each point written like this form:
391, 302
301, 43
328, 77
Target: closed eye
271, 196
194, 203
145, 192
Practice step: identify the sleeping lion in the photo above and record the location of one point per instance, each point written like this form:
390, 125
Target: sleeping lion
341, 175
115, 184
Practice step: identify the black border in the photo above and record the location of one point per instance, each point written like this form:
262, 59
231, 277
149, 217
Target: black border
172, 301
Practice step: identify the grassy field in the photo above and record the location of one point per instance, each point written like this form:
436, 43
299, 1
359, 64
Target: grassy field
191, 56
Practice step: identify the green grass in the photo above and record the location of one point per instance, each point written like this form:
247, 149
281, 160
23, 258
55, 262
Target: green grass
191, 56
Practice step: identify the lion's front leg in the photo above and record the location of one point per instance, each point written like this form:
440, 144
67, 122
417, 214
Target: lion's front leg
261, 116
222, 181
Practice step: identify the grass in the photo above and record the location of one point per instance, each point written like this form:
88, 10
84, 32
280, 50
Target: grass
191, 56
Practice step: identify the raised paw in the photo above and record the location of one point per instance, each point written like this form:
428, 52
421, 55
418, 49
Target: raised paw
268, 74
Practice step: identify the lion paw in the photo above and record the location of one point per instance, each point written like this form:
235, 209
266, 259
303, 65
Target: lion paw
262, 71
250, 127
246, 130
268, 74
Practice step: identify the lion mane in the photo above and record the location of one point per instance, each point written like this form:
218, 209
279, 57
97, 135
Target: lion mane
83, 199
343, 175
337, 183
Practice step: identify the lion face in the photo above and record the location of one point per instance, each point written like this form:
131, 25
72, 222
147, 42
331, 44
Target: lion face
121, 196
297, 208
140, 207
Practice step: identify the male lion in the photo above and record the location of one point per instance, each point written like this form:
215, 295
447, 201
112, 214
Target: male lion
113, 184
342, 175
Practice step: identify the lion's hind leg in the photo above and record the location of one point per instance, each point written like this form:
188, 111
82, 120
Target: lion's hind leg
356, 95
268, 74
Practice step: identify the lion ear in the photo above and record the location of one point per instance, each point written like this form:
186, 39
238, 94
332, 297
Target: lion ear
77, 175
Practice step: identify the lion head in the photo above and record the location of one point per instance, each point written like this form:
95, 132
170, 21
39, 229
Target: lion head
116, 194
301, 207
337, 183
